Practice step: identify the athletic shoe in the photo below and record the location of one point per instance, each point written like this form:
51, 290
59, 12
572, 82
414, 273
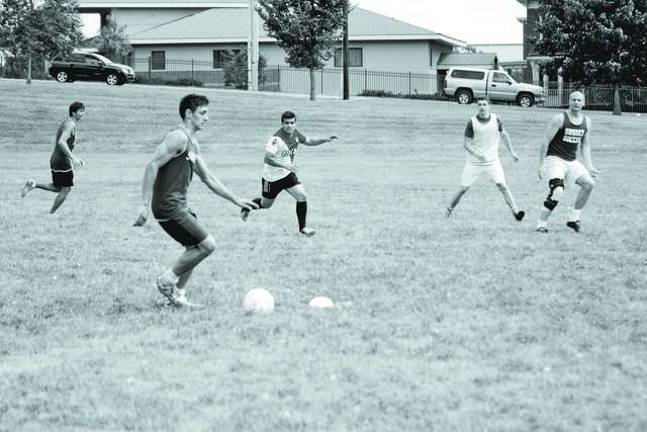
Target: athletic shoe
244, 214
307, 232
28, 186
519, 215
574, 225
448, 212
166, 288
542, 230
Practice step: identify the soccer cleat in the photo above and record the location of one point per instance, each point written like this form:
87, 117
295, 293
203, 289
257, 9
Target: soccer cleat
28, 186
244, 214
307, 232
166, 288
448, 212
574, 225
519, 215
542, 230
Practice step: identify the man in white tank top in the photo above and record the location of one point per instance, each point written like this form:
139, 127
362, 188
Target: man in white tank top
482, 135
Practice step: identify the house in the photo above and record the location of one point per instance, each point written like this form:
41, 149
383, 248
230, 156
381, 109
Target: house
533, 59
165, 32
509, 55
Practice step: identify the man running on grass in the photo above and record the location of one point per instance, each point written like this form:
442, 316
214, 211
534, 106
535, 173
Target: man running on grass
279, 172
566, 133
165, 185
62, 162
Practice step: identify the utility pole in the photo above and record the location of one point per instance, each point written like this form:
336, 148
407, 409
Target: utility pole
345, 55
252, 48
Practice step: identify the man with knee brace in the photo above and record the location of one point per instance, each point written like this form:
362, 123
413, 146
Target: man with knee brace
567, 132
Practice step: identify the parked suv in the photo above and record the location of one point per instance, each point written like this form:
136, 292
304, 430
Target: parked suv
90, 66
466, 84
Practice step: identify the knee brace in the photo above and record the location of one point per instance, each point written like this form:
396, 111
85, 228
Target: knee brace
556, 186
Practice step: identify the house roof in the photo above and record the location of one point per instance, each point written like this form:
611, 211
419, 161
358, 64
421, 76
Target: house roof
146, 4
229, 25
467, 59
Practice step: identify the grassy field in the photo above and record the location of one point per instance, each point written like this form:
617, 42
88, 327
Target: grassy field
475, 323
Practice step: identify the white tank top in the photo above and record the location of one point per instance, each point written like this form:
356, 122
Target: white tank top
486, 139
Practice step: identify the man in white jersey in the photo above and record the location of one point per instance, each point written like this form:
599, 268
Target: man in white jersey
566, 133
482, 135
279, 172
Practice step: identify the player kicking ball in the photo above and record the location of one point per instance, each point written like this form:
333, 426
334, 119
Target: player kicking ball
280, 172
482, 135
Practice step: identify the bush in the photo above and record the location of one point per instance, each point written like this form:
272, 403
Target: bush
180, 82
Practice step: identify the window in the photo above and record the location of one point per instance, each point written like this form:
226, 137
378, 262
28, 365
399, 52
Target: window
220, 57
158, 60
501, 78
355, 57
468, 74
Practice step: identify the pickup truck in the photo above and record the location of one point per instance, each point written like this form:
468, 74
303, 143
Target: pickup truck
467, 84
90, 66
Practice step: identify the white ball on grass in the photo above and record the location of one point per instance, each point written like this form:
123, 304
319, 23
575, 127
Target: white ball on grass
321, 302
259, 301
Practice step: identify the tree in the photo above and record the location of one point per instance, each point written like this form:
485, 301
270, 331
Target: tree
47, 28
235, 69
113, 41
595, 41
307, 30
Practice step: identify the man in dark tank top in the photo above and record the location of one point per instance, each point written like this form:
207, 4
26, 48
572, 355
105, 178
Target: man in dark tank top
164, 189
63, 161
567, 133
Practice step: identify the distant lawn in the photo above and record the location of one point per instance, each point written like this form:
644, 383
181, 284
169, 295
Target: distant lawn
475, 323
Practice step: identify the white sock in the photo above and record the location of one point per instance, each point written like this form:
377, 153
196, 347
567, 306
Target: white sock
541, 223
181, 292
171, 276
575, 215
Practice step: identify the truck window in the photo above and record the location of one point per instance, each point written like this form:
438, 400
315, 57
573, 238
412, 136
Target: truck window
467, 74
501, 78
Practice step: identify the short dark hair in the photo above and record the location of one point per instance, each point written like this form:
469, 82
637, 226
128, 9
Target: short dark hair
483, 98
288, 115
75, 106
193, 102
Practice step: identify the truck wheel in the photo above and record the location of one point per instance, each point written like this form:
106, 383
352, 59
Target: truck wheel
525, 100
464, 97
112, 79
62, 76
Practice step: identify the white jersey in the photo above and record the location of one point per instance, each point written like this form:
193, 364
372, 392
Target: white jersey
283, 147
485, 135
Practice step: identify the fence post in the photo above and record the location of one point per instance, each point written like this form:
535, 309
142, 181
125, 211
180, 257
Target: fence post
192, 72
365, 80
409, 82
150, 61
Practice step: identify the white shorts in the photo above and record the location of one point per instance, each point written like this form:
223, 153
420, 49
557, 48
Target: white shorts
473, 171
555, 167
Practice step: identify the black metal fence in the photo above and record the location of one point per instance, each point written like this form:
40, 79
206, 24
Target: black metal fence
598, 97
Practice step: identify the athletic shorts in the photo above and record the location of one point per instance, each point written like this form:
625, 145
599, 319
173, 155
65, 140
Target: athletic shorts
272, 188
473, 171
555, 167
184, 228
63, 178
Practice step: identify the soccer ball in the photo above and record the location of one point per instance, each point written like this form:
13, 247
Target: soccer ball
258, 300
321, 302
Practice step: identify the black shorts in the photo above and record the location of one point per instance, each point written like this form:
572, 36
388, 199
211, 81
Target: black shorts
63, 178
272, 189
184, 228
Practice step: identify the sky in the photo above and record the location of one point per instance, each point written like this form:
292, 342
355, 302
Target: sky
472, 21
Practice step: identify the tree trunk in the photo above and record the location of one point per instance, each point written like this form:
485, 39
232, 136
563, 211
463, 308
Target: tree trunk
313, 85
617, 108
28, 79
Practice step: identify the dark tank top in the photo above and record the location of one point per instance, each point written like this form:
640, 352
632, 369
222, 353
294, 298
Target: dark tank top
567, 139
58, 161
172, 184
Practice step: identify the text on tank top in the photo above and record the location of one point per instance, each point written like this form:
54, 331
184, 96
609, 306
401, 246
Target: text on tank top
172, 183
58, 161
567, 139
